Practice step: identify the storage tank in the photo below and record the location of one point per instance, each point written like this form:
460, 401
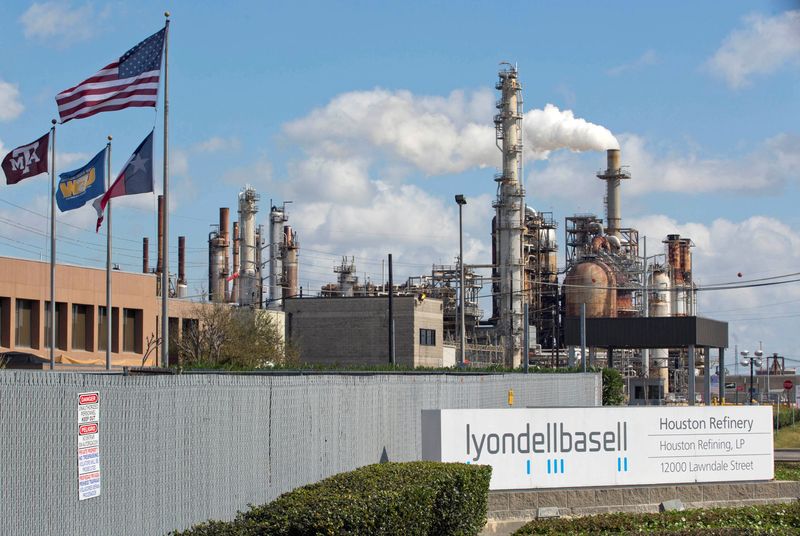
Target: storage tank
591, 282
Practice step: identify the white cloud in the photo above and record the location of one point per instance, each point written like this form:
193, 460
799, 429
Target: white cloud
258, 174
725, 248
436, 135
60, 22
331, 179
10, 105
66, 161
766, 168
762, 47
648, 57
216, 144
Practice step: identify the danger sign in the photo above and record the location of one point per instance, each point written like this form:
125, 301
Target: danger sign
89, 476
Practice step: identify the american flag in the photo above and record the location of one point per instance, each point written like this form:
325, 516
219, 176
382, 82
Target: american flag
130, 81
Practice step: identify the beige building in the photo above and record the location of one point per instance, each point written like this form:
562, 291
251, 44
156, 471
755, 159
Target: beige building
356, 330
81, 313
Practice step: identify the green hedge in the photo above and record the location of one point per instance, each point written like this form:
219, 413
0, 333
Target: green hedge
416, 498
785, 417
747, 520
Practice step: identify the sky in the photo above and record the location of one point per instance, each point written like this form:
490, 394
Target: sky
366, 118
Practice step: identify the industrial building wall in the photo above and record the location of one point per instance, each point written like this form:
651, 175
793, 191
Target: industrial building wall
176, 450
355, 330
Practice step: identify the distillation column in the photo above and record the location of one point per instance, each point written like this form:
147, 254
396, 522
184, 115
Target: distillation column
248, 285
289, 253
277, 217
509, 224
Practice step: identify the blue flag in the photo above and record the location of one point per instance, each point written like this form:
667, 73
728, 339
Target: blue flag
76, 188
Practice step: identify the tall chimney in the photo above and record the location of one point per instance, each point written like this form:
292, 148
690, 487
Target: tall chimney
224, 225
181, 260
235, 286
160, 262
145, 255
290, 289
612, 176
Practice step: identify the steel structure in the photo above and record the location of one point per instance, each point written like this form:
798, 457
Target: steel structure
509, 219
540, 250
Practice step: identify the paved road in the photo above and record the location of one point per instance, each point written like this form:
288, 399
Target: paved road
787, 455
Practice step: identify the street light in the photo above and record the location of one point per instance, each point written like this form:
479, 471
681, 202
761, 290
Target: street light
461, 200
759, 353
755, 360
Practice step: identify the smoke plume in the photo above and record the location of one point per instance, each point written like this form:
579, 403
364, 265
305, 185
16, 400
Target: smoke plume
550, 129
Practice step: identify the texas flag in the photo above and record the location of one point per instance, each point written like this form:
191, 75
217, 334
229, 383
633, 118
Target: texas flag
136, 177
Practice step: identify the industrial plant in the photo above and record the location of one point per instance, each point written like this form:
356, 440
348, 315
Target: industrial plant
607, 273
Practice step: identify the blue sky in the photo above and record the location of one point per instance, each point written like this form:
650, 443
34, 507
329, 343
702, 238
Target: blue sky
369, 116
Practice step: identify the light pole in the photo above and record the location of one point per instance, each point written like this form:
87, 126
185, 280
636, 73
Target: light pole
461, 200
752, 361
759, 353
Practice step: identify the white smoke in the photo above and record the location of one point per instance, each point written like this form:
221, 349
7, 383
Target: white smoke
550, 129
437, 135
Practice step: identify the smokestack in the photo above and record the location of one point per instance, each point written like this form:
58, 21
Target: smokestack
224, 223
160, 262
145, 255
290, 275
612, 176
235, 286
181, 260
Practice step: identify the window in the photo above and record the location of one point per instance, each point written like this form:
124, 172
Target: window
132, 330
24, 324
427, 337
81, 336
5, 322
102, 329
61, 326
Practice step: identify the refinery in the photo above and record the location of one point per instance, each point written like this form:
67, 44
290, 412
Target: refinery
606, 272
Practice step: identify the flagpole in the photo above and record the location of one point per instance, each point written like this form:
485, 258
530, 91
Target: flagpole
109, 311
53, 245
165, 247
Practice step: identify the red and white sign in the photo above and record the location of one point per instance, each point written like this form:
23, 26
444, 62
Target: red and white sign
88, 407
788, 384
88, 445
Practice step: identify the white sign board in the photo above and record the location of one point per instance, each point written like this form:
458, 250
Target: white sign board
574, 447
88, 445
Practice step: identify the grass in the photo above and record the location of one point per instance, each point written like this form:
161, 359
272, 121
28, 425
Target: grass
788, 437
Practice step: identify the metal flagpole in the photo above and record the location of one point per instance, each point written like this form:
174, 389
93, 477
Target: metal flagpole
53, 245
109, 310
164, 246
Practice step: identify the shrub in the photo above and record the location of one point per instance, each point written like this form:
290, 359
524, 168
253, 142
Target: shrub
416, 498
750, 520
613, 388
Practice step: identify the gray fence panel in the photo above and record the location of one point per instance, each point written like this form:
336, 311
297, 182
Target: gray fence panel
177, 450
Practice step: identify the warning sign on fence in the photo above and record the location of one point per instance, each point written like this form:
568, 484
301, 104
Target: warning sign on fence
88, 445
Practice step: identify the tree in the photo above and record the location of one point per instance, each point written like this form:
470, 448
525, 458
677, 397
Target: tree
224, 336
613, 388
